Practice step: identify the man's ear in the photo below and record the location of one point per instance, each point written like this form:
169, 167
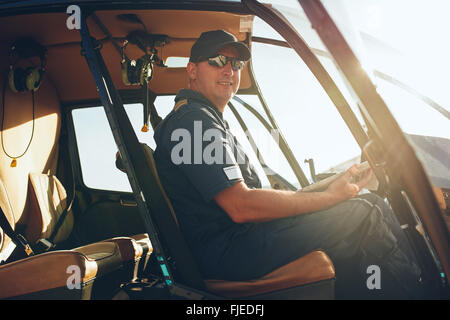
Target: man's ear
192, 70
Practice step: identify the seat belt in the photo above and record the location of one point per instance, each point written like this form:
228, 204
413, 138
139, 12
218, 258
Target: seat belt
18, 239
44, 245
70, 192
66, 209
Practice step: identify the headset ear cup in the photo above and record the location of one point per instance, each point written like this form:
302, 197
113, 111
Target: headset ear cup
17, 79
125, 79
33, 78
133, 71
11, 80
146, 71
140, 66
129, 72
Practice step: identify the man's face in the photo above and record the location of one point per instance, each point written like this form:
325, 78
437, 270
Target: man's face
217, 84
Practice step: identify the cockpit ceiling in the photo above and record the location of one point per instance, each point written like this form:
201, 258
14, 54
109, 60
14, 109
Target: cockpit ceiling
68, 70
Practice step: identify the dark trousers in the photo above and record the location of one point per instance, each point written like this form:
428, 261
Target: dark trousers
356, 234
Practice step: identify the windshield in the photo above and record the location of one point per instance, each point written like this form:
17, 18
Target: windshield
402, 47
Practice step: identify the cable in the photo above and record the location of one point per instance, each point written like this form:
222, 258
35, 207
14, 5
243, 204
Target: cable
14, 159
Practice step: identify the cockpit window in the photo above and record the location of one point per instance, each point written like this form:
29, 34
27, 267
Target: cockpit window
97, 148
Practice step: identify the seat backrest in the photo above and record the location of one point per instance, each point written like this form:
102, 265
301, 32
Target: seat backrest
172, 237
164, 217
48, 199
149, 156
21, 126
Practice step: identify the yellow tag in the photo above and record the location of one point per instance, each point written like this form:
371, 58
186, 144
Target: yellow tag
144, 128
28, 250
13, 163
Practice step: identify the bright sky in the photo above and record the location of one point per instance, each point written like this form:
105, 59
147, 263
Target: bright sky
416, 29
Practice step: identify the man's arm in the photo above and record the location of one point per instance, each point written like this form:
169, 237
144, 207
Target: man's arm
256, 205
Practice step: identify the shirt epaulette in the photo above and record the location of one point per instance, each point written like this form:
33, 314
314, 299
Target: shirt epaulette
179, 104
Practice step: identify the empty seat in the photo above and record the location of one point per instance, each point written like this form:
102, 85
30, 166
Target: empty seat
64, 274
48, 199
35, 212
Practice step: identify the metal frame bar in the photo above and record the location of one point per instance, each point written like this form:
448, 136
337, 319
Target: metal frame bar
114, 112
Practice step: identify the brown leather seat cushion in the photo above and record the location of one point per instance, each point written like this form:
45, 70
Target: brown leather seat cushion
50, 270
313, 267
129, 249
134, 248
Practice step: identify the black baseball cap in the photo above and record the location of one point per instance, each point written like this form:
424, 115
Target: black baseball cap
210, 42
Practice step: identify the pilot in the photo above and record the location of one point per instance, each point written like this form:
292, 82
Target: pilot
239, 231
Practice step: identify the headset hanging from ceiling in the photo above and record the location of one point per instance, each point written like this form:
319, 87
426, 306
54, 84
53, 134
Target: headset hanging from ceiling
30, 78
140, 71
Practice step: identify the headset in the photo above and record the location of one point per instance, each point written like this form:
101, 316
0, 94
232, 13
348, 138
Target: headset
136, 72
140, 71
28, 79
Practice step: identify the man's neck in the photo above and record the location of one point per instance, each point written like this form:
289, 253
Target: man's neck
219, 106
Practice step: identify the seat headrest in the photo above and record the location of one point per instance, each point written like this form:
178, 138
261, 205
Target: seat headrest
119, 161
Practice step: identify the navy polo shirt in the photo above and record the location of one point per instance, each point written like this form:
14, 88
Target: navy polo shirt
197, 157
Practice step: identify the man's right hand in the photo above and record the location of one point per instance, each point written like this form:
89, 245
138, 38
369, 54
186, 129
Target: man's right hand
342, 188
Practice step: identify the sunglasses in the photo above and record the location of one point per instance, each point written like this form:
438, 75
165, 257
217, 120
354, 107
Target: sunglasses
221, 61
